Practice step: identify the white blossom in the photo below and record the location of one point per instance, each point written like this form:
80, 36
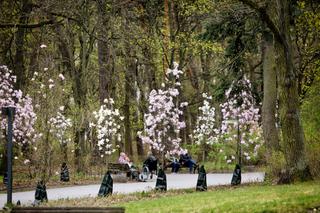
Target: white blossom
107, 125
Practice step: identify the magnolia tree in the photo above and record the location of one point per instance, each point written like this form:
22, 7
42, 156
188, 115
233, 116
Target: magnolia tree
205, 132
107, 124
61, 125
240, 126
24, 119
162, 123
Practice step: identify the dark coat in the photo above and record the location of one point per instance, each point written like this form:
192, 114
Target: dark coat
152, 163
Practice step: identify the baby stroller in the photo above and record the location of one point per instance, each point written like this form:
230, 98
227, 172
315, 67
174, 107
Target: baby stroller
144, 175
152, 164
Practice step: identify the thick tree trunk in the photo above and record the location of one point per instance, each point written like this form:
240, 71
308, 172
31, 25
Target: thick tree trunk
269, 105
104, 53
291, 128
128, 92
278, 21
19, 67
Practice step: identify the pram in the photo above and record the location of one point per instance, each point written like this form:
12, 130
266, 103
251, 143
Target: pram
152, 164
144, 175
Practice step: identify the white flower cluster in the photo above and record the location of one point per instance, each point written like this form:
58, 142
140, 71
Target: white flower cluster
163, 120
108, 126
61, 124
205, 131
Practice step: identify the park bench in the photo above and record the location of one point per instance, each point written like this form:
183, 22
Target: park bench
195, 168
119, 171
68, 209
116, 168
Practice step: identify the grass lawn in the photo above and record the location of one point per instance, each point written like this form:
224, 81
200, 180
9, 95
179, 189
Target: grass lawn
251, 198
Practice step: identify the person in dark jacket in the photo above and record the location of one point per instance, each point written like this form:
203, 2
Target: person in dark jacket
186, 161
152, 163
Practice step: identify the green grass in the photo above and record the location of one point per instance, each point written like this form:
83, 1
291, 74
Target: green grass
251, 198
285, 198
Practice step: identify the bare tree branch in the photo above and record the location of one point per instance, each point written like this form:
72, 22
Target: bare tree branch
29, 26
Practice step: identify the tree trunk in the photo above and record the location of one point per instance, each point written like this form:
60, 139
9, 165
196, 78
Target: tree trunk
291, 128
278, 21
66, 43
104, 53
128, 91
19, 68
138, 114
269, 105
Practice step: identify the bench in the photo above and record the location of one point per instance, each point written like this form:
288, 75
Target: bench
195, 167
116, 168
119, 172
68, 209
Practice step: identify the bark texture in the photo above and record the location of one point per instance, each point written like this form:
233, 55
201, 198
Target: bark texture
269, 105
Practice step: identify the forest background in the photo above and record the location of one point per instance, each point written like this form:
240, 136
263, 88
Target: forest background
71, 56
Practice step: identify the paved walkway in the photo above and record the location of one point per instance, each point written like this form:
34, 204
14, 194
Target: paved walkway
174, 181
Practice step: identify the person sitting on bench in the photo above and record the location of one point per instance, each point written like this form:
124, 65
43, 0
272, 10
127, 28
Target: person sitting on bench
173, 163
187, 161
124, 159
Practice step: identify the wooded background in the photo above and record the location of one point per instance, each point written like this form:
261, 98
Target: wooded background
121, 49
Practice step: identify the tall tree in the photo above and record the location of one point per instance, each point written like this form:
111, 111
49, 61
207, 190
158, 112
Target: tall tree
269, 105
104, 51
279, 22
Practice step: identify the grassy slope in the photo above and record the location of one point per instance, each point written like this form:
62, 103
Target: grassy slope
246, 198
285, 198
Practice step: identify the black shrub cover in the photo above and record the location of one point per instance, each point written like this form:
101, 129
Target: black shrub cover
161, 183
106, 187
236, 178
41, 192
64, 174
202, 180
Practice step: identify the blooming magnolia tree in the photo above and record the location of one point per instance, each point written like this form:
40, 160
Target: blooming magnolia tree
205, 131
240, 121
107, 124
162, 123
61, 125
24, 119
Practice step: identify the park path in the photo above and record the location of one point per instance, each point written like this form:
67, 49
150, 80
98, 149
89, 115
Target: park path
174, 181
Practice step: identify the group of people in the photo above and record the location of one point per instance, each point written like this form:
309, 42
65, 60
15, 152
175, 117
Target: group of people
185, 160
150, 164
